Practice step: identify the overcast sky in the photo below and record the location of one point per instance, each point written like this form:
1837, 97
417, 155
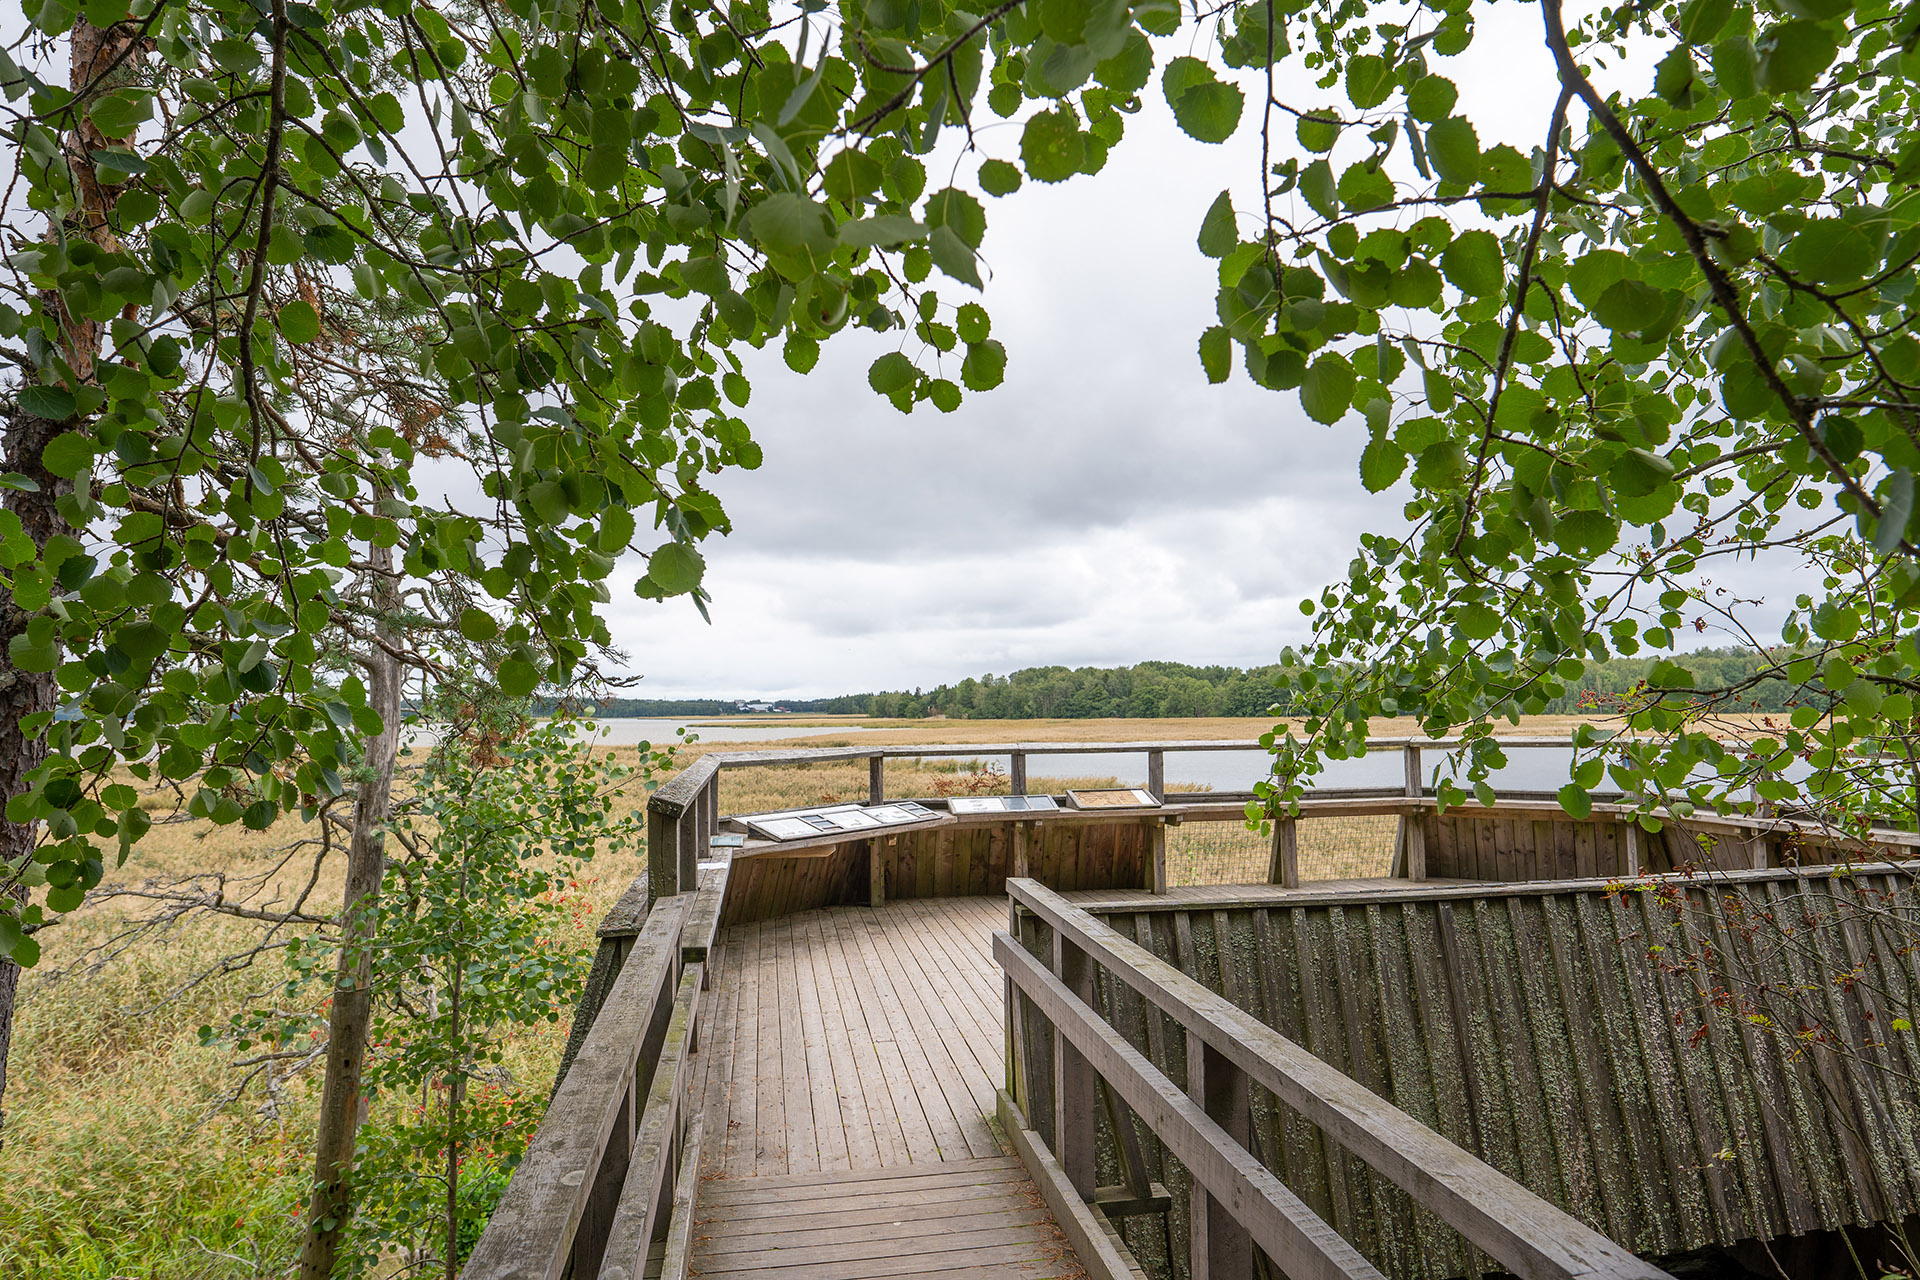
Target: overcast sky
1105, 505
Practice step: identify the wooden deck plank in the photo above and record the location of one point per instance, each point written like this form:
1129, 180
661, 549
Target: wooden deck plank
950, 1065
834, 1232
866, 1075
907, 1020
958, 938
803, 1142
715, 1058
895, 1095
955, 983
960, 1220
831, 1120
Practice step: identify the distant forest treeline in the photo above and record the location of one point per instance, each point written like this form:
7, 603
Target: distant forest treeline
1152, 690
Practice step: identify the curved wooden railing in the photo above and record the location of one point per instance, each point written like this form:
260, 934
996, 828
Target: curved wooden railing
1464, 843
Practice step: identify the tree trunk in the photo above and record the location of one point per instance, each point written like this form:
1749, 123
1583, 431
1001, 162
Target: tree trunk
22, 693
350, 1016
93, 51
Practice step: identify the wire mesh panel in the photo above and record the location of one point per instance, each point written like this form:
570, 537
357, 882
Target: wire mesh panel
1330, 848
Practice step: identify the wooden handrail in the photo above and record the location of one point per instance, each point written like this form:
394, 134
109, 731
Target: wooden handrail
1299, 1242
531, 1233
1523, 1232
586, 1197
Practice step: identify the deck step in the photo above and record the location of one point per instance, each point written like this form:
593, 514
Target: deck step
980, 1219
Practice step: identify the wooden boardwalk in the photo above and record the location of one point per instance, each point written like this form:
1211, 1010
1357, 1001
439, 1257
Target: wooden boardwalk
852, 1057
962, 1220
854, 1038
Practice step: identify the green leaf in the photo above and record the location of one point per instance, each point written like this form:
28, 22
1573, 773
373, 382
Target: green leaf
1365, 186
676, 568
1204, 107
1575, 800
1629, 306
67, 454
985, 366
1473, 264
1638, 472
998, 178
1453, 148
1327, 392
892, 372
1701, 20
1674, 78
478, 625
952, 207
1382, 462
884, 231
1835, 250
52, 403
1052, 147
801, 352
516, 678
952, 256
794, 230
1370, 80
1218, 230
1216, 354
299, 322
1317, 130
1735, 67
1792, 55
1431, 99
1896, 509
1317, 186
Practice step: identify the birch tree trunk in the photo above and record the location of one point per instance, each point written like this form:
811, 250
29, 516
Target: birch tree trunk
350, 1016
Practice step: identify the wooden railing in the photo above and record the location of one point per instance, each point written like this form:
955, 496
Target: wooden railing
613, 1167
1467, 842
1075, 1069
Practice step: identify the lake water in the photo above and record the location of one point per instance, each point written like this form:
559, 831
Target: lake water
1529, 769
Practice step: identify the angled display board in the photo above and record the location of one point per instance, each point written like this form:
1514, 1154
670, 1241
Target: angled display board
837, 819
1114, 798
1002, 804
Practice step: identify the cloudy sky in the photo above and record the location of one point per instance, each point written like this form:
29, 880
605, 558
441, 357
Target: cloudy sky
1105, 505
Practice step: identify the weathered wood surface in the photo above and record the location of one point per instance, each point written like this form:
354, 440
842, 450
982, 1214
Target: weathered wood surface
529, 1235
853, 1038
1227, 1048
1301, 1244
975, 1219
1560, 1032
954, 859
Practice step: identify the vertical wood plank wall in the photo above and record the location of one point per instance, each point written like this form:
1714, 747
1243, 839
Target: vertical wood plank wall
959, 860
1569, 1038
1469, 844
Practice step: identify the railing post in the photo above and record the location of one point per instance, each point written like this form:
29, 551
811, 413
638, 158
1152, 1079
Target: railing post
663, 855
1413, 825
689, 847
1633, 849
710, 809
1283, 868
1017, 772
1075, 1116
1157, 776
1221, 1247
1157, 857
876, 779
